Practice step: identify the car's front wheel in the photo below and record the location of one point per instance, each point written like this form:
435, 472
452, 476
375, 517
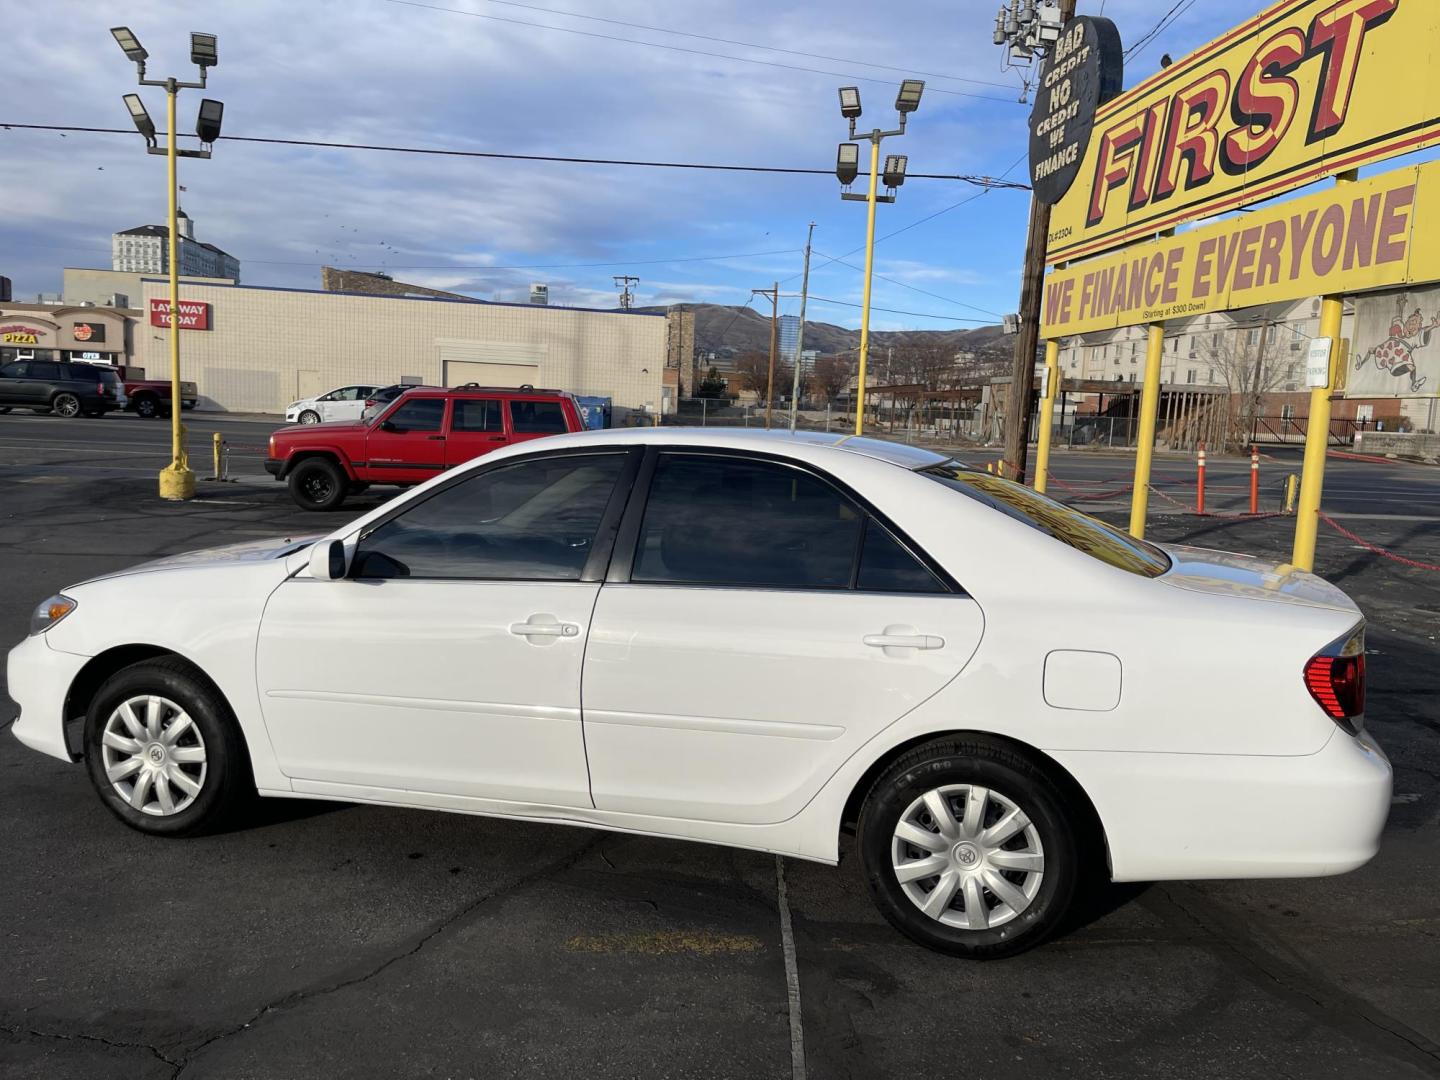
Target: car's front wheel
309, 416
146, 407
163, 750
317, 484
969, 848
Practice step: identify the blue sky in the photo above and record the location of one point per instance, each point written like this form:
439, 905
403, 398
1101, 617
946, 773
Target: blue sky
384, 71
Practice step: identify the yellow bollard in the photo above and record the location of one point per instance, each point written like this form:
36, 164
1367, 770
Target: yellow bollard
1292, 488
219, 445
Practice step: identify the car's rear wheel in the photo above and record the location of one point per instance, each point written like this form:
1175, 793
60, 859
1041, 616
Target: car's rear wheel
309, 416
969, 848
146, 407
66, 405
317, 484
164, 752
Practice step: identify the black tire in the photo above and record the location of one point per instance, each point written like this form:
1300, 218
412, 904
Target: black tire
317, 484
66, 405
146, 407
225, 781
309, 416
1010, 777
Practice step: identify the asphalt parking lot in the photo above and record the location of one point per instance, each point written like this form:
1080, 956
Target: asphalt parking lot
335, 940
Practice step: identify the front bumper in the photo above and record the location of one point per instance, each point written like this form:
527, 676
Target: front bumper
275, 467
39, 679
1179, 816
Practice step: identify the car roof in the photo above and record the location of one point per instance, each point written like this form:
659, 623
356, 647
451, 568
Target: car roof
491, 391
796, 444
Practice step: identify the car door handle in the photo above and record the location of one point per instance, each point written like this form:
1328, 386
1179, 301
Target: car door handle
902, 637
435, 438
544, 627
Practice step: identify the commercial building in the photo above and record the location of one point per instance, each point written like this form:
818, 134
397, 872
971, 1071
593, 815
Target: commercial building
256, 349
116, 288
62, 332
789, 337
145, 249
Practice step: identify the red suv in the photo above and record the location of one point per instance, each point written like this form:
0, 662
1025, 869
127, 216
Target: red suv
423, 432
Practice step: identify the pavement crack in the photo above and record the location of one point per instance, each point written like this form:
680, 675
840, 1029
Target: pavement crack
20, 1032
408, 948
1337, 1007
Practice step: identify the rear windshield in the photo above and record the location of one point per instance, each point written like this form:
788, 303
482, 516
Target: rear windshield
1083, 533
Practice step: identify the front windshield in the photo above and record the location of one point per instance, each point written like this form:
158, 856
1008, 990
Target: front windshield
1079, 531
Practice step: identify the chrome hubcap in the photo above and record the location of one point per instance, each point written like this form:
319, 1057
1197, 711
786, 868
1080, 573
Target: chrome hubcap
153, 755
968, 856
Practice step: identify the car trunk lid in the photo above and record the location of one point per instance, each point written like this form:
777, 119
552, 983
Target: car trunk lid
1228, 574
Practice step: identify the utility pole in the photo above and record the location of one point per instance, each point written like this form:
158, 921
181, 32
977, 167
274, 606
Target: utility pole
1022, 369
623, 283
800, 335
774, 294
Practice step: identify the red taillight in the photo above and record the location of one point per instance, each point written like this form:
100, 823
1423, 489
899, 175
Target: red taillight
101, 389
1336, 680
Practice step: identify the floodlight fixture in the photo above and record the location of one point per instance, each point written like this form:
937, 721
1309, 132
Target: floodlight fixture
203, 53
847, 163
849, 102
894, 173
140, 117
908, 100
129, 43
207, 123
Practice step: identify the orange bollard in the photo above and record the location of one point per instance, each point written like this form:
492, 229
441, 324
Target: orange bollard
1254, 479
1200, 481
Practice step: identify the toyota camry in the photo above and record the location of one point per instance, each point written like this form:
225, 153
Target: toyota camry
766, 641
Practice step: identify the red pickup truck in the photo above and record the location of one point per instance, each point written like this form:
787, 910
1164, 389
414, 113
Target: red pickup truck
421, 433
151, 397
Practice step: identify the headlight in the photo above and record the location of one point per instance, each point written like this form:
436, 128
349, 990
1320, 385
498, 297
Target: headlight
50, 612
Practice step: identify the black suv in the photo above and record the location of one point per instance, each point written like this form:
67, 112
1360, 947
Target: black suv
64, 388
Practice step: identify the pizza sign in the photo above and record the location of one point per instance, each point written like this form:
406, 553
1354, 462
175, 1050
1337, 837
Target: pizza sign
88, 331
16, 334
193, 314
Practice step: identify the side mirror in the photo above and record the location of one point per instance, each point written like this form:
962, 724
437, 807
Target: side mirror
386, 425
327, 560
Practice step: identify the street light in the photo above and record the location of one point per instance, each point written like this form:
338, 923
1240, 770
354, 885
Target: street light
847, 168
207, 123
203, 52
176, 479
130, 44
894, 172
141, 118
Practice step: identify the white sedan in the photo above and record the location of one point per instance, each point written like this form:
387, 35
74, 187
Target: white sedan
779, 639
342, 403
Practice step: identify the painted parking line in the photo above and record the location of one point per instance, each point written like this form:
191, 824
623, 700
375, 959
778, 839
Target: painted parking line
792, 975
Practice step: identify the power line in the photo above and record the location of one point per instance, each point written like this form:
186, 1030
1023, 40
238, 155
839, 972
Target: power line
723, 41
980, 181
896, 311
683, 49
912, 288
1145, 40
534, 266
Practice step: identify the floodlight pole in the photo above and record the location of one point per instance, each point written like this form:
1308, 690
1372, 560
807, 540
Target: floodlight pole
871, 198
177, 481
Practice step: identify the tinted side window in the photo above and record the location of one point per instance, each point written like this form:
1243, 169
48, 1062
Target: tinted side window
531, 521
732, 521
42, 369
885, 565
537, 417
422, 414
18, 370
475, 415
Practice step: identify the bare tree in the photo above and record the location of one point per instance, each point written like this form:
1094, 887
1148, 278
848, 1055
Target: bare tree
831, 375
1250, 361
754, 371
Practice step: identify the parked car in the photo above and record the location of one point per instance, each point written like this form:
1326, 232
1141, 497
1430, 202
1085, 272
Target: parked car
65, 388
780, 638
151, 398
342, 403
421, 433
377, 401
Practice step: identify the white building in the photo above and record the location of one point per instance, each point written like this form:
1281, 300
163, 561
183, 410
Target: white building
145, 249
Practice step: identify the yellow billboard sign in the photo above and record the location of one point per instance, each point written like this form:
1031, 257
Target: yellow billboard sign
1347, 238
1304, 90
